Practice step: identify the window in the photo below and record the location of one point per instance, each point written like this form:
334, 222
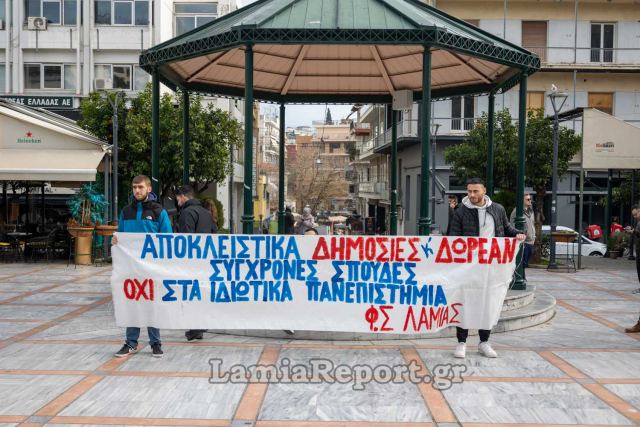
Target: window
120, 75
2, 77
334, 147
192, 15
535, 100
407, 198
534, 38
49, 76
70, 9
462, 110
122, 12
602, 101
602, 42
140, 78
2, 10
57, 12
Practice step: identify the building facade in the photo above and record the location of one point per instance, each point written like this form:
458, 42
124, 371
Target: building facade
589, 49
55, 52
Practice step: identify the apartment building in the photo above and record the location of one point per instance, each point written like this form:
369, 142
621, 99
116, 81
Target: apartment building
335, 143
589, 49
55, 52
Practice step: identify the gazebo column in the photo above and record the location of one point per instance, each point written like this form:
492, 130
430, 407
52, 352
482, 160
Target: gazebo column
281, 176
155, 132
490, 143
247, 217
520, 283
393, 193
424, 224
185, 137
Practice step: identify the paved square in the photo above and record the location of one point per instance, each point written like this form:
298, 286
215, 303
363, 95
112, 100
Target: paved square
521, 386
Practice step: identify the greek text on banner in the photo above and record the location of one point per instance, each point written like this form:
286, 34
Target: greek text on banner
382, 284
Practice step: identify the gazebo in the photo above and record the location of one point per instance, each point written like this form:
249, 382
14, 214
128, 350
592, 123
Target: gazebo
340, 51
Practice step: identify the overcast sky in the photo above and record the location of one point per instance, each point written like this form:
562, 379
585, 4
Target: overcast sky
303, 115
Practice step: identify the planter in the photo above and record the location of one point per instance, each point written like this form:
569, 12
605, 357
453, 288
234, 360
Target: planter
80, 231
83, 249
614, 254
106, 230
564, 237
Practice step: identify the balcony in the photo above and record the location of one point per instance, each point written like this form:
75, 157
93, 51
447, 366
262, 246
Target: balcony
381, 188
361, 129
365, 187
586, 57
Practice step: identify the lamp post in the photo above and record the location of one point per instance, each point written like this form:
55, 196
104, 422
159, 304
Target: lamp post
434, 132
557, 102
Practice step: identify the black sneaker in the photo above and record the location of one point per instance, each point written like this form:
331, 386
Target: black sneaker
126, 350
193, 334
156, 350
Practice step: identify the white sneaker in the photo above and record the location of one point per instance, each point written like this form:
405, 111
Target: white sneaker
485, 349
461, 350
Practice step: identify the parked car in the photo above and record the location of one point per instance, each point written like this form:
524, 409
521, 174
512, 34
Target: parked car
589, 247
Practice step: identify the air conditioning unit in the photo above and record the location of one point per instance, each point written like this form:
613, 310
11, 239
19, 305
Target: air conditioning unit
103, 84
37, 23
1, 24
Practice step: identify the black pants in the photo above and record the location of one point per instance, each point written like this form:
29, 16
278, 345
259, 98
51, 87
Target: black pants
462, 334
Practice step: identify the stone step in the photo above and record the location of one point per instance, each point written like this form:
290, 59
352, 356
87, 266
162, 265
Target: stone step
541, 307
518, 299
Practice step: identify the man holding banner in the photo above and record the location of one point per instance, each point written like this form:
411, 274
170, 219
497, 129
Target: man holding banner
479, 216
193, 219
143, 215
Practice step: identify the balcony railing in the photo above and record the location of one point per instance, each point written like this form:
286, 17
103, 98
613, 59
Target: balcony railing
462, 124
556, 55
365, 187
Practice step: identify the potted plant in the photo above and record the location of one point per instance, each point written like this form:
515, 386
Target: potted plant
616, 244
86, 207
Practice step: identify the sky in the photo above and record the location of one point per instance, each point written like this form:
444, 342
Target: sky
303, 115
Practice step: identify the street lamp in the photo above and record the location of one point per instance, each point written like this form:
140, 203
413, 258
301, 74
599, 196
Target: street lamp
434, 132
557, 102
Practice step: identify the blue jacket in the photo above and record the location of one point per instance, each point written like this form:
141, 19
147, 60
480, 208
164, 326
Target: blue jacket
144, 217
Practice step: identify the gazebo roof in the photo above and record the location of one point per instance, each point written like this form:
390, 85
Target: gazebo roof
338, 51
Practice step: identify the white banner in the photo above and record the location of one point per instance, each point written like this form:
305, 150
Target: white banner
377, 284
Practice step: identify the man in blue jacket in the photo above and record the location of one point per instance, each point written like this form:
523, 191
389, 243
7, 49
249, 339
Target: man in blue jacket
143, 215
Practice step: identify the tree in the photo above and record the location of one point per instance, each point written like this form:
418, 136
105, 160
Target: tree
212, 135
327, 119
469, 158
315, 184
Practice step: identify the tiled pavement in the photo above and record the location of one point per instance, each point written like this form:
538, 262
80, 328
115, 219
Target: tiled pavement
57, 336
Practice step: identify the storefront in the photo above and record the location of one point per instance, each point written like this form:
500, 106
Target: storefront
43, 156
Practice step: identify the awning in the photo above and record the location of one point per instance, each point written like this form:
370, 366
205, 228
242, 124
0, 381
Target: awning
609, 142
49, 165
37, 145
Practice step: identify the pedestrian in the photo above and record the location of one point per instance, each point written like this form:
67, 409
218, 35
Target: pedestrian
636, 234
479, 216
289, 221
194, 218
632, 241
209, 205
306, 221
529, 229
143, 215
453, 205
